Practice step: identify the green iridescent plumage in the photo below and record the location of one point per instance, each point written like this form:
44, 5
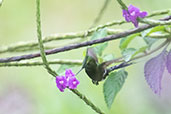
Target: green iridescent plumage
95, 70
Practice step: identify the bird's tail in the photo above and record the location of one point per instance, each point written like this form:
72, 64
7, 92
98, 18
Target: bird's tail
122, 65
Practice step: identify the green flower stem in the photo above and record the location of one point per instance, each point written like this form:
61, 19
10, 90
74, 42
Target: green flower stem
45, 62
71, 62
155, 22
160, 35
152, 51
83, 44
158, 13
87, 101
152, 35
56, 37
102, 10
122, 4
109, 31
38, 63
20, 45
32, 49
39, 36
165, 43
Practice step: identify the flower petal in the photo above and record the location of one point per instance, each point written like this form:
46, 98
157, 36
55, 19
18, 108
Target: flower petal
132, 14
126, 15
135, 22
168, 62
143, 14
69, 73
61, 83
73, 83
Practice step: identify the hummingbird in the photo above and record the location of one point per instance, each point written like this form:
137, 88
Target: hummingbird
98, 71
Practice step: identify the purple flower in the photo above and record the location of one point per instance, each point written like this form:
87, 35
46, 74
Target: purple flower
69, 80
73, 82
132, 14
61, 83
69, 73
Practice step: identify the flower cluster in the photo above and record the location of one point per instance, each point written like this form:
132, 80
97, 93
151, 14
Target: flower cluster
69, 80
132, 14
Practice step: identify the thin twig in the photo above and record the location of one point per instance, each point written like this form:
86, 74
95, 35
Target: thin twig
152, 51
38, 63
158, 13
87, 101
39, 36
121, 59
50, 71
109, 32
74, 62
153, 22
64, 36
56, 37
99, 16
79, 45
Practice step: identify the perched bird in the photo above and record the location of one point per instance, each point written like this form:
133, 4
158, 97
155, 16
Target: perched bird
95, 70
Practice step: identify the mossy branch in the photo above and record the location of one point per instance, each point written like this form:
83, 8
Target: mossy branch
87, 43
72, 35
45, 62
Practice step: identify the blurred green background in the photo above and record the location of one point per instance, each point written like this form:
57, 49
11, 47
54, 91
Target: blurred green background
31, 90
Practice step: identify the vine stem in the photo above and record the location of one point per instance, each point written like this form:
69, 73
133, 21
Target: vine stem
39, 36
87, 101
38, 63
122, 4
45, 62
71, 35
76, 62
152, 51
83, 44
109, 32
121, 59
99, 16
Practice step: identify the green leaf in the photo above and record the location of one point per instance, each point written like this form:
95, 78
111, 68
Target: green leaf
145, 32
125, 41
156, 29
108, 57
140, 50
113, 85
99, 34
149, 41
128, 53
99, 48
168, 28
